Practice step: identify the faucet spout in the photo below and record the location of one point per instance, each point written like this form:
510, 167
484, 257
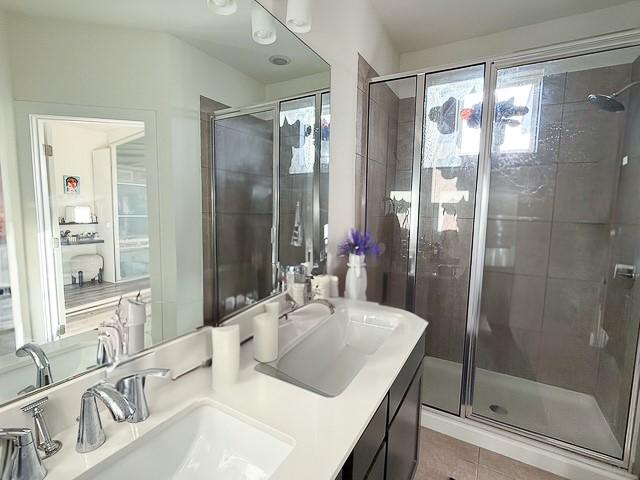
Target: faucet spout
41, 361
317, 301
90, 432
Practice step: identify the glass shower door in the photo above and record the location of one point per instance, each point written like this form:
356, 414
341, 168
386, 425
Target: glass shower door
448, 172
558, 324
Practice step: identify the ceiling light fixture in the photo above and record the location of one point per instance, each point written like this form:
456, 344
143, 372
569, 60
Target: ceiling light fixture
299, 15
223, 7
279, 60
263, 28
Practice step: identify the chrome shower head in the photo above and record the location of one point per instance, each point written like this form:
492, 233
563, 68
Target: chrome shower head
607, 103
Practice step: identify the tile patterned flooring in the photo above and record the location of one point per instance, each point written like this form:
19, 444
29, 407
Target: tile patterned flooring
444, 458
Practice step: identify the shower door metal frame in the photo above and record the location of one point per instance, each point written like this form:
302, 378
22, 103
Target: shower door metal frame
604, 43
553, 53
234, 113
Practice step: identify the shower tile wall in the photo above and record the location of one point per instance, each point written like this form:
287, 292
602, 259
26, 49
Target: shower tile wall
390, 142
622, 310
207, 108
552, 209
244, 205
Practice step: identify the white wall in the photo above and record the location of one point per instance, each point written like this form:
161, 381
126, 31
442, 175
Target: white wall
341, 30
10, 185
564, 29
289, 88
72, 153
73, 148
108, 67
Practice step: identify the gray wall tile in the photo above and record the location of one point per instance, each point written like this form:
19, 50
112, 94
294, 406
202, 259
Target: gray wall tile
588, 134
604, 80
568, 362
571, 307
578, 251
553, 88
522, 192
585, 191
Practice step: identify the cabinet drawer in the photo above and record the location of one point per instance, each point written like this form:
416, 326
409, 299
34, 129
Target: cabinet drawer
401, 384
378, 467
365, 450
404, 434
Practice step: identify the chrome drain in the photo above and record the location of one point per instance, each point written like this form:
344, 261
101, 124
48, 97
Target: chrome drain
500, 410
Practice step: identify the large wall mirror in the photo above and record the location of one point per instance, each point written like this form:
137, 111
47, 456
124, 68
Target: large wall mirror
158, 160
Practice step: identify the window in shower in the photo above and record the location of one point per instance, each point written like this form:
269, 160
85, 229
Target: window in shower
451, 146
557, 330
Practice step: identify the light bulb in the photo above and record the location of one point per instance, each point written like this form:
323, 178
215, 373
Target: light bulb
263, 29
299, 15
223, 7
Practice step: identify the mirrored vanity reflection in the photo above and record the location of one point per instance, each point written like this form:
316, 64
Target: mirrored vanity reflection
270, 177
159, 162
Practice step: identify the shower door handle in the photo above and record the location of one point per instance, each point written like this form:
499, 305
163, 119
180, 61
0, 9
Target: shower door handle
625, 271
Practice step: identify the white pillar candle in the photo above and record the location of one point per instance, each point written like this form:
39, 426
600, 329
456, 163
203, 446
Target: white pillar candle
136, 318
335, 286
272, 307
226, 354
297, 293
265, 337
322, 286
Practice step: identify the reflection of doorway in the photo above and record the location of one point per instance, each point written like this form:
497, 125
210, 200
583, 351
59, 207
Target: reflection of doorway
91, 181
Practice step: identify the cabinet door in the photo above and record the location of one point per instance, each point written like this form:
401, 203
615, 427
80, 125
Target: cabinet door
401, 383
364, 453
404, 434
377, 469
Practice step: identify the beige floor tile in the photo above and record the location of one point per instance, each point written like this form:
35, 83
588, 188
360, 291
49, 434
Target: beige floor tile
443, 443
512, 468
443, 457
460, 470
485, 473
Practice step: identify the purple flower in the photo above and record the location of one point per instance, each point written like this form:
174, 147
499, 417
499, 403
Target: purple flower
359, 243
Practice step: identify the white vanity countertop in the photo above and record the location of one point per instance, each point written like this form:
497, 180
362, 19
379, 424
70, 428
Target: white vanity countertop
323, 430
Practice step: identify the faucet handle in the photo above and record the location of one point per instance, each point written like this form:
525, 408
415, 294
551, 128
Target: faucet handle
21, 436
26, 464
132, 387
44, 441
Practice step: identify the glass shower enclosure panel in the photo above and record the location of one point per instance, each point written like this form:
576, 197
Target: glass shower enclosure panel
558, 320
243, 216
297, 159
448, 173
390, 147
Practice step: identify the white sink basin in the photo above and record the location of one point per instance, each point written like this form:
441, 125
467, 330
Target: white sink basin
329, 357
203, 443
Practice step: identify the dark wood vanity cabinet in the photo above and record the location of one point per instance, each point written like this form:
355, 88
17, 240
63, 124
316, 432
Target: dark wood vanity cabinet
388, 448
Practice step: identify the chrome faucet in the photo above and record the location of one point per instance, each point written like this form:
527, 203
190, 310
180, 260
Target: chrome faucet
25, 462
90, 432
132, 387
320, 301
43, 367
44, 442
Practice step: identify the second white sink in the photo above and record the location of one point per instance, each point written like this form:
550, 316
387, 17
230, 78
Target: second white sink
330, 356
203, 443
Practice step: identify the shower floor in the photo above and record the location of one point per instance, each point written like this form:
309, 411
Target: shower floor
555, 412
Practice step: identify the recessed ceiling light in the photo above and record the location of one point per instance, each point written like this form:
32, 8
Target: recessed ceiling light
279, 60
